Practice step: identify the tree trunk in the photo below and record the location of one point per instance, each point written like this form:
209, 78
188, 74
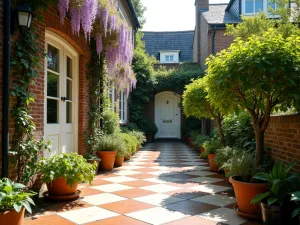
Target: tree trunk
203, 126
259, 151
220, 130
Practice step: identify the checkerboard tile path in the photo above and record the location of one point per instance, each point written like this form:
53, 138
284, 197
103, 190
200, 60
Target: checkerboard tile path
164, 183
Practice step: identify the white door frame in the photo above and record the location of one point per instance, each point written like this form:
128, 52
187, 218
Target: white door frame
57, 41
177, 113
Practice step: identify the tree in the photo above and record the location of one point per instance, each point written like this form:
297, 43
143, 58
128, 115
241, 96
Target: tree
139, 10
195, 103
260, 74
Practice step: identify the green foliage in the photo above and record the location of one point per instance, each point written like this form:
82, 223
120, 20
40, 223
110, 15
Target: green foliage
191, 124
199, 140
224, 154
203, 155
280, 182
26, 63
13, 196
110, 122
130, 141
211, 146
148, 126
295, 197
110, 142
140, 136
70, 166
176, 79
140, 11
238, 131
195, 102
241, 165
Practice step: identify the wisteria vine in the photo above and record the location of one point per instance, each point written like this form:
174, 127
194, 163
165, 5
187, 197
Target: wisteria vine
100, 19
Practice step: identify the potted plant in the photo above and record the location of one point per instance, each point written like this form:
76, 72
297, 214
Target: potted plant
92, 158
63, 172
121, 150
13, 202
149, 128
199, 141
241, 168
140, 137
107, 148
211, 148
280, 184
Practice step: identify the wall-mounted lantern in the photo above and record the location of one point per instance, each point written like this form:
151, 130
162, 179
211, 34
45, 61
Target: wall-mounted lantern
24, 15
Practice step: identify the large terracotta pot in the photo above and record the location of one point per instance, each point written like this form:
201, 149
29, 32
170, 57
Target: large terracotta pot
119, 161
12, 217
107, 159
59, 187
213, 166
245, 192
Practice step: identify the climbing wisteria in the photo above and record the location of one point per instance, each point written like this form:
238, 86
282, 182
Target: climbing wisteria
100, 19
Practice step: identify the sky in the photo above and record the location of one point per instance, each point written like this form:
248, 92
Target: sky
171, 15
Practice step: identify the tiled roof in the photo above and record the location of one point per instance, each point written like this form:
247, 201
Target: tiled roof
217, 15
178, 40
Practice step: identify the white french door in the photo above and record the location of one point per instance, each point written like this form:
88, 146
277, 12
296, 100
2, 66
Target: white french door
167, 115
61, 95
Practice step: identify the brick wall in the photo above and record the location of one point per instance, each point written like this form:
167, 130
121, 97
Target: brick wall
283, 137
222, 41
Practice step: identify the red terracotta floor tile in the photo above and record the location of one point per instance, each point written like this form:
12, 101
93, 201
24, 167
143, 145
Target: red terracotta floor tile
67, 206
47, 220
133, 193
89, 191
127, 206
118, 220
138, 183
147, 170
142, 176
193, 220
189, 207
100, 182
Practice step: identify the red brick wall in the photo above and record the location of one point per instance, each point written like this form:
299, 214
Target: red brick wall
221, 41
283, 137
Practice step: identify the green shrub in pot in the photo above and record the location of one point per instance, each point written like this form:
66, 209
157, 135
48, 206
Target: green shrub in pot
199, 140
110, 122
139, 136
110, 142
211, 146
224, 154
131, 142
72, 167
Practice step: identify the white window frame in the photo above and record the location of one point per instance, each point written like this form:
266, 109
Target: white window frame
169, 53
111, 92
265, 8
123, 107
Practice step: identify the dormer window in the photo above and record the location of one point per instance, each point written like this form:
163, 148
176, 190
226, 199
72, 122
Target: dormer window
170, 56
251, 7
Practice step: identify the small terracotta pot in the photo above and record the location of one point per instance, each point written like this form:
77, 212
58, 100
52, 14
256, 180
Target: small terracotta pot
12, 217
245, 192
127, 157
213, 166
119, 161
190, 140
202, 149
59, 187
149, 138
107, 159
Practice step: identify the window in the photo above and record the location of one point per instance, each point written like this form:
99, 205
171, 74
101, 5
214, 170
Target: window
169, 58
111, 95
123, 107
255, 6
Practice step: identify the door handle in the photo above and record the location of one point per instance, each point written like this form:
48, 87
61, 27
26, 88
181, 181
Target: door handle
63, 99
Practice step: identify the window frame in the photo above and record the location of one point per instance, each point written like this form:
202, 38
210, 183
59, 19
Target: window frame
166, 55
123, 107
111, 92
265, 8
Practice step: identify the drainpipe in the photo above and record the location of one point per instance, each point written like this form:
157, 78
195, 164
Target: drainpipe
213, 41
6, 84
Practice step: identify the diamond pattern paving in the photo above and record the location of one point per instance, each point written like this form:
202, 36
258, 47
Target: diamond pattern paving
164, 183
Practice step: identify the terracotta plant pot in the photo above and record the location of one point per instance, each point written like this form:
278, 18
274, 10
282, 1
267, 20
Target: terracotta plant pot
91, 161
119, 161
211, 160
245, 192
107, 159
12, 217
190, 140
202, 149
127, 157
149, 138
59, 187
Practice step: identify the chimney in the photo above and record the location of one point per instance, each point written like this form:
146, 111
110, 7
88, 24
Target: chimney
202, 5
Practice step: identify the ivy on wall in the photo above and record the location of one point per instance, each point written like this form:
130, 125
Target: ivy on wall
26, 65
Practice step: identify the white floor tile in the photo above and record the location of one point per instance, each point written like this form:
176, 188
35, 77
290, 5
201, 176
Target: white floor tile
101, 199
158, 199
111, 187
218, 200
119, 179
210, 188
160, 188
